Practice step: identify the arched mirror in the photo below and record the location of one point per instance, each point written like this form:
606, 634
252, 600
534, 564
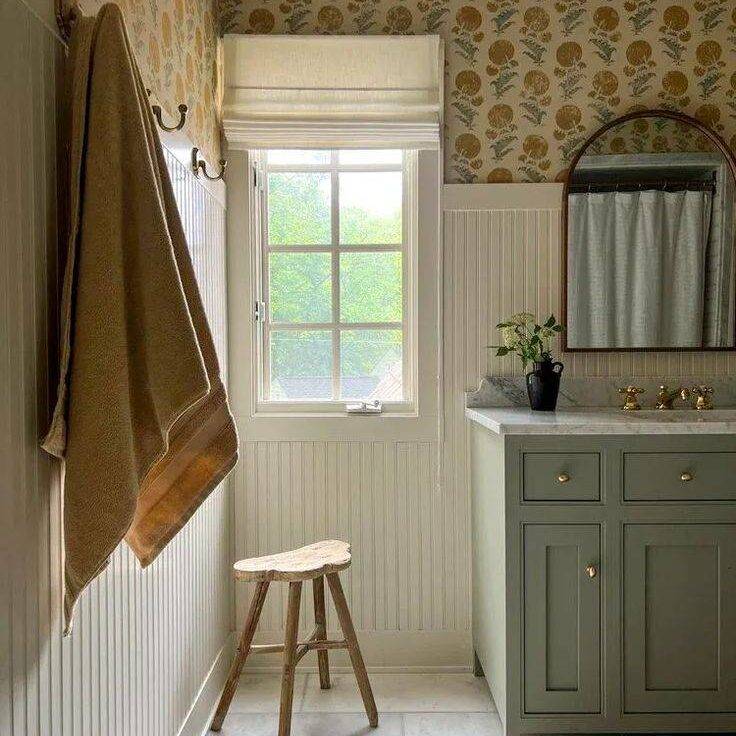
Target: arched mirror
648, 238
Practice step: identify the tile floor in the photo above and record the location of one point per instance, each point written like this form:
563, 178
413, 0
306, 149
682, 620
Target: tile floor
408, 705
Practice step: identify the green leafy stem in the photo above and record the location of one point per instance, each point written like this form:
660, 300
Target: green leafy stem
523, 336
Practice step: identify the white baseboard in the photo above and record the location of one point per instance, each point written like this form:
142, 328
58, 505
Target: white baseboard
384, 651
200, 714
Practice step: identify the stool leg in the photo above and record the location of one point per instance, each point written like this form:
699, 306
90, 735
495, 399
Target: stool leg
346, 624
320, 621
290, 640
246, 639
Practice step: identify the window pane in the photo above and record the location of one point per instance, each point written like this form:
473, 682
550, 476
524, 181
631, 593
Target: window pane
370, 207
297, 157
301, 364
370, 287
300, 287
370, 365
375, 156
299, 209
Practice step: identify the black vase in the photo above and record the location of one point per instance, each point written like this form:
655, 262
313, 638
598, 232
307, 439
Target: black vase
543, 385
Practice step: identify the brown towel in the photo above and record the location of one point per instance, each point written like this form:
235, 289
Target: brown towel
141, 420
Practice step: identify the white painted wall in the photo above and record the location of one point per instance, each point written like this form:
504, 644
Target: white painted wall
505, 241
144, 642
376, 482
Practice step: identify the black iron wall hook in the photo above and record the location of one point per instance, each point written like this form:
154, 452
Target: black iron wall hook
199, 164
158, 114
66, 16
156, 109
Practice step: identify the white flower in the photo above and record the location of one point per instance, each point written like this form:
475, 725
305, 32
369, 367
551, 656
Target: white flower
523, 318
510, 338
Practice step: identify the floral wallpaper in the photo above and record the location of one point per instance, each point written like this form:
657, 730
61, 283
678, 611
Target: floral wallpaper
175, 42
526, 82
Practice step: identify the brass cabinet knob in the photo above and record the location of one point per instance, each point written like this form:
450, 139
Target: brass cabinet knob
563, 477
592, 571
685, 477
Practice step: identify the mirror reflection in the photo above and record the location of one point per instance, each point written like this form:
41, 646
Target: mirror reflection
650, 240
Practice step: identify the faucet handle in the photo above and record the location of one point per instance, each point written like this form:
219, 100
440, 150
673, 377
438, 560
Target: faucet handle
666, 398
703, 394
632, 402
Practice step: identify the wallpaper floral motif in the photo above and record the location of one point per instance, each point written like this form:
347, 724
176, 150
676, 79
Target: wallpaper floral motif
526, 82
175, 42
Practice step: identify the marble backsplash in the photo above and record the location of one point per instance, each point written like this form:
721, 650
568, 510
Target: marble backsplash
594, 392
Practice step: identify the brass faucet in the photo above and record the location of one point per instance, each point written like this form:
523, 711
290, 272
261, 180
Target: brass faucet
703, 400
666, 398
632, 402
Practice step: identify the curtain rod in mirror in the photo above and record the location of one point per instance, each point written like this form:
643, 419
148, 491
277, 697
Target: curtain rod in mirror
665, 185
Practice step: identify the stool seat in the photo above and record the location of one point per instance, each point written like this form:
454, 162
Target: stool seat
305, 563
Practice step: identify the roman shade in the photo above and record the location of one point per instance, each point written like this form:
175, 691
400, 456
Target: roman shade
333, 91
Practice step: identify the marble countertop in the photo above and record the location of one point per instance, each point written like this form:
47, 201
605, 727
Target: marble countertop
516, 420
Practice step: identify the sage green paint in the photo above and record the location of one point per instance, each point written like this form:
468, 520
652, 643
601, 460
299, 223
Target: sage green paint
680, 618
614, 670
542, 471
561, 609
657, 476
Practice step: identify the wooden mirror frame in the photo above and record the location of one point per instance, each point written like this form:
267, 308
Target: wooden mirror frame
654, 113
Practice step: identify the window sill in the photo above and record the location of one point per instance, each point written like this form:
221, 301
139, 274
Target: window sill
273, 423
331, 410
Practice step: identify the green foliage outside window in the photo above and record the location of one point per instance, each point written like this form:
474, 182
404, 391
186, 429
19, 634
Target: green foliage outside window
300, 284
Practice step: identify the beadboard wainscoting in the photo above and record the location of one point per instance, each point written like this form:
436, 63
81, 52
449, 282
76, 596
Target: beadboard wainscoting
407, 588
502, 255
384, 484
149, 648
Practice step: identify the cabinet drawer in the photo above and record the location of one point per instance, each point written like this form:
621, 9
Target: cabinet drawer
679, 476
563, 476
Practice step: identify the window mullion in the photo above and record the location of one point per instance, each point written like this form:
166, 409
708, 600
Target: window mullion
335, 230
264, 267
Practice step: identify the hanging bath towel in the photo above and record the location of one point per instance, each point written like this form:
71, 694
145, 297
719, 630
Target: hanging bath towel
141, 422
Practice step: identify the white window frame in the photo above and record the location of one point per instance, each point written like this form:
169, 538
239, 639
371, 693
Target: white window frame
259, 275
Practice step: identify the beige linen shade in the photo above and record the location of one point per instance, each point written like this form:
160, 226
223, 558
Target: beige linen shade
141, 423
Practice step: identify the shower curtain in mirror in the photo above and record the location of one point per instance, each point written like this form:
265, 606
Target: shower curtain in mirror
636, 265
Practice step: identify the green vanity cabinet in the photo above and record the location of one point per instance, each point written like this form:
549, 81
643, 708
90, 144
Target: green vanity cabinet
604, 580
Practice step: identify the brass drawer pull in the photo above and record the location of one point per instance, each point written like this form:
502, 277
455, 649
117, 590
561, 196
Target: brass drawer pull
592, 571
563, 477
685, 477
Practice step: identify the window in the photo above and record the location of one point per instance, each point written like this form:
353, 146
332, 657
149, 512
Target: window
335, 276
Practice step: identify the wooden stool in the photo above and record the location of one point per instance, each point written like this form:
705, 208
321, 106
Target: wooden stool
308, 563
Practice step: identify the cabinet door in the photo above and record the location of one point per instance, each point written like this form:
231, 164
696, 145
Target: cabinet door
679, 614
562, 626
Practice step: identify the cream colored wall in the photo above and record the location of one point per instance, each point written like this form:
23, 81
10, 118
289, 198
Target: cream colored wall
505, 246
408, 585
405, 505
144, 642
385, 484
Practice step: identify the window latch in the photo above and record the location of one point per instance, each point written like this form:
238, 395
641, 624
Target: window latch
364, 407
259, 311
